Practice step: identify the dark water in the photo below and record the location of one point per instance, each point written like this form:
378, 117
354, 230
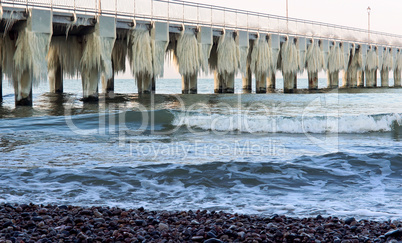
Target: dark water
300, 154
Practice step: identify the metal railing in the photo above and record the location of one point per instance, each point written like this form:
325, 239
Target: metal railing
191, 13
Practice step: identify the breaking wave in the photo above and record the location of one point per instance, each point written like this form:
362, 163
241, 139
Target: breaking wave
296, 125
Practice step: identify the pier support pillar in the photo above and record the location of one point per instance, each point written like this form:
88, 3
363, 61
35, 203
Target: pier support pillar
397, 78
289, 82
108, 84
230, 83
371, 79
333, 80
153, 89
23, 90
1, 85
271, 82
360, 79
56, 79
189, 84
247, 80
345, 81
384, 78
90, 79
313, 81
219, 84
260, 84
144, 83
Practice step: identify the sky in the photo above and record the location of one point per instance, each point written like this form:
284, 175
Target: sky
386, 15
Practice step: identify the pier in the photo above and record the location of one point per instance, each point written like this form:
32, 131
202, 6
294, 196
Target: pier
48, 40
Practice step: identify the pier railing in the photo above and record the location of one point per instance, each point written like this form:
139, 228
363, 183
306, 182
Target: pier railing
190, 13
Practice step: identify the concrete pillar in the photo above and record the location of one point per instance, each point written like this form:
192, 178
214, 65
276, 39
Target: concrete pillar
345, 83
219, 83
90, 79
153, 89
56, 79
385, 77
138, 78
333, 79
289, 82
230, 83
371, 80
189, 84
360, 78
352, 78
295, 82
397, 78
247, 80
261, 84
271, 82
313, 80
1, 85
23, 90
144, 83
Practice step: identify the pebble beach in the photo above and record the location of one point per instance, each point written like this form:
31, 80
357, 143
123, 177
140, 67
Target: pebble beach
52, 223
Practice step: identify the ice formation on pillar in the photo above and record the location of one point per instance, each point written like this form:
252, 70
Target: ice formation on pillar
356, 61
261, 58
314, 58
140, 52
187, 54
228, 55
290, 60
7, 56
71, 51
30, 55
398, 61
347, 56
335, 59
386, 61
371, 60
119, 54
97, 53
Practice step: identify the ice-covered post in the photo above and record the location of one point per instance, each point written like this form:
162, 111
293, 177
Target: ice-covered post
332, 62
243, 42
275, 46
1, 84
29, 62
386, 66
228, 62
248, 76
96, 59
55, 70
289, 65
188, 59
363, 49
397, 68
371, 67
261, 62
348, 71
314, 63
205, 42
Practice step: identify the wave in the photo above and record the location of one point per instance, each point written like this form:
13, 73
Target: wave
295, 125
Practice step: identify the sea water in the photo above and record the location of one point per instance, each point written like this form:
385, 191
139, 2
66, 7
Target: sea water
329, 153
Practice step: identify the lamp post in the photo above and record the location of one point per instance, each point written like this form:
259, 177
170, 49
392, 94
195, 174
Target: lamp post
287, 16
368, 15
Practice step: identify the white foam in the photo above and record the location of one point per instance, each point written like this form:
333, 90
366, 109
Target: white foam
299, 124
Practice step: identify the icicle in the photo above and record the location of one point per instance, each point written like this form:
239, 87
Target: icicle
290, 61
158, 56
228, 55
372, 60
30, 54
335, 59
314, 58
187, 54
261, 58
97, 54
119, 55
387, 61
140, 52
